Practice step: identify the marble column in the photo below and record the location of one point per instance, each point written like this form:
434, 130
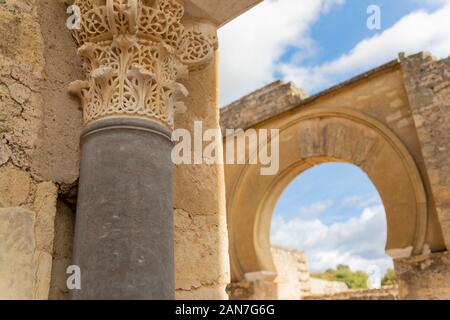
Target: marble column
135, 52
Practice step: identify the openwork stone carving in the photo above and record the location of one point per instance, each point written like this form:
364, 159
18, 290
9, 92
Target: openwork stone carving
134, 52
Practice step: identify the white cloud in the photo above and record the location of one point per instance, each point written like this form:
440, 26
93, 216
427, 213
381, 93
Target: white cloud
358, 242
314, 210
418, 31
362, 201
252, 45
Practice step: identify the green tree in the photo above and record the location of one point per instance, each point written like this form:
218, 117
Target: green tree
389, 279
343, 273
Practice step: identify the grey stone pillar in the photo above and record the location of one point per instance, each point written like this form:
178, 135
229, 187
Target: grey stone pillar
124, 222
134, 52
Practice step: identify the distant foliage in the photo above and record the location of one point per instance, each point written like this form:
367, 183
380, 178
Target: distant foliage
343, 273
389, 278
354, 279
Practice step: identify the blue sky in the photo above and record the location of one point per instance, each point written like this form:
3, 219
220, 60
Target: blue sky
344, 26
333, 192
332, 211
319, 43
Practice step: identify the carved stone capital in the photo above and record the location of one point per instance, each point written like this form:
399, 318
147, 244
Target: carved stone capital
134, 53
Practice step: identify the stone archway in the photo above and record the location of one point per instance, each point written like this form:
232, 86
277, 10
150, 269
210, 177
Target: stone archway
311, 138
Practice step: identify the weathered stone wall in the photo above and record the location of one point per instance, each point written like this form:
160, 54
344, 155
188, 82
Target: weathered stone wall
424, 277
39, 151
323, 287
292, 273
427, 82
40, 125
378, 95
18, 265
26, 187
260, 105
57, 152
62, 250
385, 293
201, 239
253, 290
292, 282
407, 98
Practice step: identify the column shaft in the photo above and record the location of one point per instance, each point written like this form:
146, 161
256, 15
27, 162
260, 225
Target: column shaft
134, 52
124, 229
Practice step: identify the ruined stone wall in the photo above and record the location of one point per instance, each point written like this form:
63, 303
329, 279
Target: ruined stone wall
201, 239
62, 250
253, 290
379, 94
40, 124
292, 273
408, 98
324, 287
292, 282
427, 82
39, 153
424, 277
385, 293
31, 175
260, 105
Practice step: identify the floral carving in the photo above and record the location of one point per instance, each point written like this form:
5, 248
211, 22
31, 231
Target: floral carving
135, 51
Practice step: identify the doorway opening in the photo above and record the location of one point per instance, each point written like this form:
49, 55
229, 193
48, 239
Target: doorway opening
328, 234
